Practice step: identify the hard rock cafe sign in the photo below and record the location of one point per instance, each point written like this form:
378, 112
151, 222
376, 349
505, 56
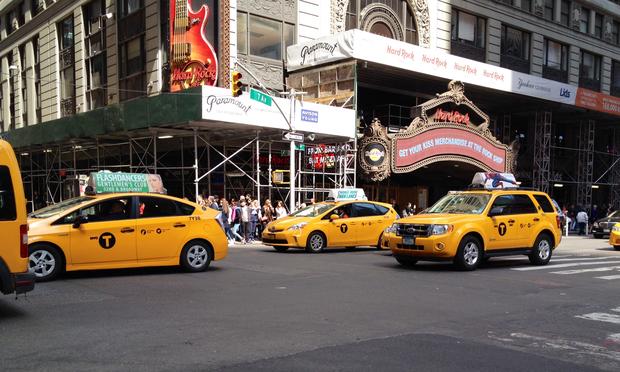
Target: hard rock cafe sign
447, 128
192, 57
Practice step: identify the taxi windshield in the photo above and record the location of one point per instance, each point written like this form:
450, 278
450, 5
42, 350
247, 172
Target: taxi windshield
313, 210
57, 208
465, 203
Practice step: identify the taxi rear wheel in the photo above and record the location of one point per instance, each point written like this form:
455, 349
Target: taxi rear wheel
45, 261
196, 256
405, 260
316, 242
541, 252
469, 254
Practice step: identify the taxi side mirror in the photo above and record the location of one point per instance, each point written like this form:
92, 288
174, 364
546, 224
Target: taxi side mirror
496, 211
334, 217
79, 220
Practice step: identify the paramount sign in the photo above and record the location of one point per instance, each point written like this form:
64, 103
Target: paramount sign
306, 50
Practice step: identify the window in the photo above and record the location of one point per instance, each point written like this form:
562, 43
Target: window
590, 71
107, 210
15, 18
67, 67
549, 9
37, 77
8, 211
615, 32
150, 207
468, 28
615, 79
513, 204
598, 25
351, 19
343, 211
11, 102
36, 7
24, 83
127, 7
515, 43
544, 203
96, 66
358, 15
565, 13
263, 37
584, 20
364, 210
555, 55
526, 5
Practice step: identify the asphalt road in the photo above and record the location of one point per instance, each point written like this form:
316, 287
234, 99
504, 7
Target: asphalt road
338, 311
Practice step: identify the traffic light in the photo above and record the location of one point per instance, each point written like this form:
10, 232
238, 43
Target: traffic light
236, 85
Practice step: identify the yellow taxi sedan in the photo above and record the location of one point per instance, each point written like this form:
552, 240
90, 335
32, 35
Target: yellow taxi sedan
331, 224
614, 237
114, 231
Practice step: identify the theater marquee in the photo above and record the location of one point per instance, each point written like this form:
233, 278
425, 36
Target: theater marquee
447, 128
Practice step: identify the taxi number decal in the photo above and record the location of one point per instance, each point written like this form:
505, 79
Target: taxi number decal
194, 218
502, 229
107, 240
344, 228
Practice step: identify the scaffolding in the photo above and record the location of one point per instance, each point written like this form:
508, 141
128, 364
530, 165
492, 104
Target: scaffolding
542, 151
585, 164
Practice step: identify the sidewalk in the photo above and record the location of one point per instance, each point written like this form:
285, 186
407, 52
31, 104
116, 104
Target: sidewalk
585, 245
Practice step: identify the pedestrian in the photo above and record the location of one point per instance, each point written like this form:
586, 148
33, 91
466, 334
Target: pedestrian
582, 221
395, 205
214, 203
226, 221
255, 216
280, 210
268, 213
235, 220
408, 211
245, 220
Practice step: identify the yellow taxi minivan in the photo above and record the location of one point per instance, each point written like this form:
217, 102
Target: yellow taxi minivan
14, 274
614, 236
338, 223
123, 230
467, 227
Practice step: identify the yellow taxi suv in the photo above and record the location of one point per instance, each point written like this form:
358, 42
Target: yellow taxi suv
331, 224
614, 236
112, 231
470, 226
14, 274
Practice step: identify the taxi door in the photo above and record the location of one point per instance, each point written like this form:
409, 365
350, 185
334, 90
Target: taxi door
370, 223
503, 225
161, 228
107, 234
342, 231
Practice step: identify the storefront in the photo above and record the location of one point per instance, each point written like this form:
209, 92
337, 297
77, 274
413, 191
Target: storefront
554, 136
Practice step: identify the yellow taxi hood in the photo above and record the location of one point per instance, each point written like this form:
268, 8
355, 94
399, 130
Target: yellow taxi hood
437, 219
288, 221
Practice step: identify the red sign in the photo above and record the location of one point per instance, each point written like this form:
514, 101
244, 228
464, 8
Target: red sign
192, 57
449, 141
451, 117
597, 101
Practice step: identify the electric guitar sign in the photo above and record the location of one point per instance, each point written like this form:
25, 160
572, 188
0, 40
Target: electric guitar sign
192, 56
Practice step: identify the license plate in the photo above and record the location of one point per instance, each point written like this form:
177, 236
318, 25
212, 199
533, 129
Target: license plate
408, 240
606, 230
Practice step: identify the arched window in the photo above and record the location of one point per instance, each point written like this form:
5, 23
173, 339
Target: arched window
389, 18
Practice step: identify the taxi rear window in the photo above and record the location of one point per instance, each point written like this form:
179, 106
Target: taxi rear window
8, 212
544, 203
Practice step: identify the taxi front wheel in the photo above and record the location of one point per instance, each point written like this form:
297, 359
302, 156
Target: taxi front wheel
541, 252
196, 256
316, 242
469, 254
45, 262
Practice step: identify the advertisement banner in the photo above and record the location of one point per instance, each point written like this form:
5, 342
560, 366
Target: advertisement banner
107, 182
374, 48
219, 105
598, 101
193, 59
448, 141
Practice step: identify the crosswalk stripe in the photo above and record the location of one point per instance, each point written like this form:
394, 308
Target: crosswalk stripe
571, 272
609, 277
551, 267
582, 259
601, 317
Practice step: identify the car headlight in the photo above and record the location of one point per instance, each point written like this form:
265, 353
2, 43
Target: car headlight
392, 229
298, 226
616, 229
595, 225
440, 229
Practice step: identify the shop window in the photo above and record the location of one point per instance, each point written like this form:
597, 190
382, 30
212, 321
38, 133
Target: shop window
590, 71
96, 66
263, 37
549, 9
555, 61
565, 13
515, 49
615, 79
598, 25
468, 35
67, 66
584, 20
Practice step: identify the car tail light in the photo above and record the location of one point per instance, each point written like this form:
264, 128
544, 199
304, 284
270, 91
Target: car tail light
558, 219
23, 240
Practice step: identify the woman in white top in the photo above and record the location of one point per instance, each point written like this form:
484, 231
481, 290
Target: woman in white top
280, 210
